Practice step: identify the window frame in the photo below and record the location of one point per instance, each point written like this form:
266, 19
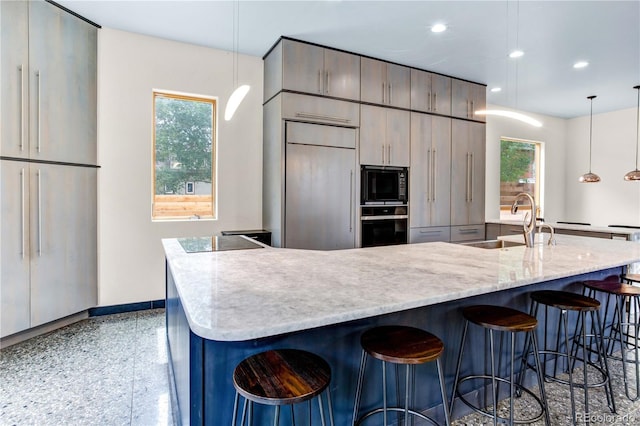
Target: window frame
539, 186
213, 101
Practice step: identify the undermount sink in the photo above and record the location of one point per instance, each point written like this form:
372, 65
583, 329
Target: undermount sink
493, 244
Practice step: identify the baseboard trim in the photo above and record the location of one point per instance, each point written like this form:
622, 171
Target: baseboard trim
41, 329
127, 307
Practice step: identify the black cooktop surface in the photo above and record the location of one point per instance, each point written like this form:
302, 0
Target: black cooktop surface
216, 243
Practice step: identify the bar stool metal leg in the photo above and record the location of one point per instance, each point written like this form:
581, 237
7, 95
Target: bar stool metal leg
356, 406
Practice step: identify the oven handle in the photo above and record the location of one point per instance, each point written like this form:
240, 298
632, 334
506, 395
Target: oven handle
389, 217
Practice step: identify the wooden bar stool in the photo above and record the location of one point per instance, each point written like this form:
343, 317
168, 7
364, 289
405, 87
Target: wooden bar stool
281, 377
498, 318
399, 345
627, 300
567, 302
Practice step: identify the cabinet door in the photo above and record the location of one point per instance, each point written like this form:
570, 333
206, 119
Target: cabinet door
14, 246
14, 43
429, 235
441, 163
460, 103
63, 100
320, 199
398, 86
420, 91
420, 176
478, 100
373, 84
477, 164
460, 172
63, 241
342, 75
302, 67
373, 145
397, 137
440, 94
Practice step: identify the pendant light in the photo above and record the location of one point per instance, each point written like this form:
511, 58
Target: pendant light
590, 177
634, 175
240, 91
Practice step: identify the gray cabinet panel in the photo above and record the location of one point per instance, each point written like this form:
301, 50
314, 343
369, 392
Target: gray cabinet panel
467, 172
429, 182
430, 92
14, 42
384, 136
342, 78
429, 234
303, 67
320, 197
312, 134
466, 98
467, 233
62, 76
14, 246
63, 241
384, 83
320, 110
440, 94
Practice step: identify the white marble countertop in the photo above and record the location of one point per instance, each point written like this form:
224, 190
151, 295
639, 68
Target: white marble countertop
247, 294
634, 234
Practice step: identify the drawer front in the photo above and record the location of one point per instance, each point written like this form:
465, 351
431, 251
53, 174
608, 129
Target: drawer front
467, 233
314, 134
511, 230
315, 109
429, 235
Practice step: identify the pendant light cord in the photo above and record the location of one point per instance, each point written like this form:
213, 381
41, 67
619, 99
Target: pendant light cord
590, 131
637, 127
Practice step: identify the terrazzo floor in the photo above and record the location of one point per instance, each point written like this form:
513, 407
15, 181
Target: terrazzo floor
112, 370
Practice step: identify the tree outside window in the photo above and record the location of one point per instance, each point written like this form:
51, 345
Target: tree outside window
184, 156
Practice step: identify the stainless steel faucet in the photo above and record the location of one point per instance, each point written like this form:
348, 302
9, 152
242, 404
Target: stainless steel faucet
528, 229
552, 240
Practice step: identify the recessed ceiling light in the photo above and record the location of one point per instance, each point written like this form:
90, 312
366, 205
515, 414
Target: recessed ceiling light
438, 28
496, 89
581, 64
516, 54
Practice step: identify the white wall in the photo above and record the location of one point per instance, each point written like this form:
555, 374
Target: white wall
553, 134
131, 260
613, 200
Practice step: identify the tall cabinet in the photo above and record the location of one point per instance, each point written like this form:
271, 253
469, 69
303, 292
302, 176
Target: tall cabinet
47, 165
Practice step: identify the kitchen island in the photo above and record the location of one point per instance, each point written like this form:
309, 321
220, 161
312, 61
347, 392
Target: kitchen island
225, 306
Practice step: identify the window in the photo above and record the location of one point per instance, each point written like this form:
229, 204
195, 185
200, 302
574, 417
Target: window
521, 170
184, 184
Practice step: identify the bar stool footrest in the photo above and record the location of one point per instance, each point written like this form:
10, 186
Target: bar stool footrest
551, 378
395, 409
519, 388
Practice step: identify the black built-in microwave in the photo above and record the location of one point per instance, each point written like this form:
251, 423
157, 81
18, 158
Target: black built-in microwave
384, 185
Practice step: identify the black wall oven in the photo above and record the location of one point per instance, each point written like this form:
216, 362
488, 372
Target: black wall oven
384, 185
383, 225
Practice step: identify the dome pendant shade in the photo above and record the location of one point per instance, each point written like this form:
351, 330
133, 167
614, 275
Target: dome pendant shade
590, 177
634, 175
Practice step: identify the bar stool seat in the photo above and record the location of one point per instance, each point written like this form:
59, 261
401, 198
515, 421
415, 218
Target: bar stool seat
627, 298
632, 278
582, 306
501, 319
281, 377
399, 345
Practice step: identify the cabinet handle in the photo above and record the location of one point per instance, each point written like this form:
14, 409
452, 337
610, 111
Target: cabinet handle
471, 113
22, 212
467, 183
431, 232
434, 174
319, 81
469, 231
383, 90
322, 117
428, 182
429, 97
351, 201
39, 108
326, 87
435, 102
382, 153
390, 94
39, 213
389, 156
471, 179
21, 68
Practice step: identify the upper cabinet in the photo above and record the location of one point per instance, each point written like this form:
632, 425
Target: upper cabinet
467, 172
384, 136
307, 68
430, 92
467, 98
49, 84
384, 83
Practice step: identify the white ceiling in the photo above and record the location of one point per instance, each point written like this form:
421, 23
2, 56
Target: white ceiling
553, 35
